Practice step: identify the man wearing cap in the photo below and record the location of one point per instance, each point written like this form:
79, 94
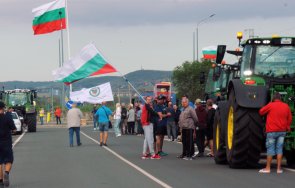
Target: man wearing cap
6, 153
74, 117
161, 124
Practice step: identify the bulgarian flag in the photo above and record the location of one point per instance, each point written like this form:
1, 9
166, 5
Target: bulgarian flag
49, 17
89, 62
209, 52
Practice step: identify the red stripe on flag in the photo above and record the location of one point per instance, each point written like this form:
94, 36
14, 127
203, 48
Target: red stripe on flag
107, 68
49, 27
209, 56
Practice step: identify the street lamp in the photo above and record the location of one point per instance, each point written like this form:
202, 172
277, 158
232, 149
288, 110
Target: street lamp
197, 32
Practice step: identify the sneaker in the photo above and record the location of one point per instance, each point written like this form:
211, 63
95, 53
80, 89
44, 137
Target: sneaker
100, 144
181, 156
156, 156
145, 156
105, 144
6, 179
80, 144
162, 154
187, 158
119, 135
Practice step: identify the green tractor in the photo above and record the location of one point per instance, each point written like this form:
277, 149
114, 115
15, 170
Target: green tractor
22, 101
267, 65
217, 80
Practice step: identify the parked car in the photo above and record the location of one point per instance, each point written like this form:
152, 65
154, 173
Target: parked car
17, 122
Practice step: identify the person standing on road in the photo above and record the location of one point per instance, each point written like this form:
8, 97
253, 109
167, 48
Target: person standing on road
94, 117
117, 118
6, 153
131, 119
74, 117
146, 120
57, 114
139, 130
210, 122
161, 124
187, 121
41, 115
103, 114
278, 121
123, 124
171, 126
201, 127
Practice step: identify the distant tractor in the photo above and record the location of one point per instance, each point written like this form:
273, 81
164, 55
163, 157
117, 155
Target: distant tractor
267, 65
22, 101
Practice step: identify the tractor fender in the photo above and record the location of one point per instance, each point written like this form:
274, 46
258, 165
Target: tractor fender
248, 96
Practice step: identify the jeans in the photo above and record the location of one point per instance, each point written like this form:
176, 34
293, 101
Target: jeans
41, 120
57, 120
117, 127
131, 126
275, 143
148, 142
104, 126
95, 122
171, 128
71, 135
139, 127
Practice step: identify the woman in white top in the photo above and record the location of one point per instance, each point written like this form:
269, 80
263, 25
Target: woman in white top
117, 118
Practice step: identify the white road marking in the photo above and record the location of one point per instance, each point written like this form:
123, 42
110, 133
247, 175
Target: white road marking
18, 139
163, 184
289, 169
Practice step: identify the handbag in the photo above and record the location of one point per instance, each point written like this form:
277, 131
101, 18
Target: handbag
110, 123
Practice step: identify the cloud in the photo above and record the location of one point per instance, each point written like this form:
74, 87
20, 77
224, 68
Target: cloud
151, 12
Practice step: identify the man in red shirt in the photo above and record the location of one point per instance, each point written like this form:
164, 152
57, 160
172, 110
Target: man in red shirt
147, 125
278, 121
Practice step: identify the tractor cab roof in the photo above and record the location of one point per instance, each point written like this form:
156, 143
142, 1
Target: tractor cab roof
273, 41
19, 91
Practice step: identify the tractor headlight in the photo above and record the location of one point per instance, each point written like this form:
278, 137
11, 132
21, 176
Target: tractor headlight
247, 73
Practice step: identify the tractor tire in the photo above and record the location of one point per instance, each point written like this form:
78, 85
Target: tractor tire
31, 123
244, 135
290, 157
219, 147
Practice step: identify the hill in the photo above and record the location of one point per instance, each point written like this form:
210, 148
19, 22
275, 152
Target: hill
142, 80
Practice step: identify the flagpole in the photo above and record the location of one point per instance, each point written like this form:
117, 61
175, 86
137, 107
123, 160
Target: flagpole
68, 36
131, 86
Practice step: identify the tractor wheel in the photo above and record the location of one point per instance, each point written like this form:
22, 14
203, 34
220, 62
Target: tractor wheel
219, 134
31, 123
290, 157
244, 135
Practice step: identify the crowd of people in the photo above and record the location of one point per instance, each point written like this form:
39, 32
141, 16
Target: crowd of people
189, 124
156, 118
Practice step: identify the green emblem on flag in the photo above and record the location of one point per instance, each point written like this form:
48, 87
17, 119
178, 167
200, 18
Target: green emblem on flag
94, 92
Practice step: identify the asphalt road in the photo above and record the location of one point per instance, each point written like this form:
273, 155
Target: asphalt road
44, 159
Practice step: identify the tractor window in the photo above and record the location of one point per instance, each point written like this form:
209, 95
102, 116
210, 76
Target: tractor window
275, 61
17, 99
246, 59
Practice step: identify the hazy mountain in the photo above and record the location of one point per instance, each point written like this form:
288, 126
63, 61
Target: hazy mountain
141, 80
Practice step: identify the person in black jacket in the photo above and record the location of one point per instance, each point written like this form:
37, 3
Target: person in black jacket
210, 122
6, 153
201, 127
123, 122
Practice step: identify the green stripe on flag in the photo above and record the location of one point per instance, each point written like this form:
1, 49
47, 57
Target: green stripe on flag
50, 16
91, 66
211, 52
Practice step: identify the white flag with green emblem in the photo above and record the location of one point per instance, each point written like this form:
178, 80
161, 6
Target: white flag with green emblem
93, 95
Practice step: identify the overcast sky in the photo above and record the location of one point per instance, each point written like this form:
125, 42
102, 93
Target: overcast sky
152, 34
